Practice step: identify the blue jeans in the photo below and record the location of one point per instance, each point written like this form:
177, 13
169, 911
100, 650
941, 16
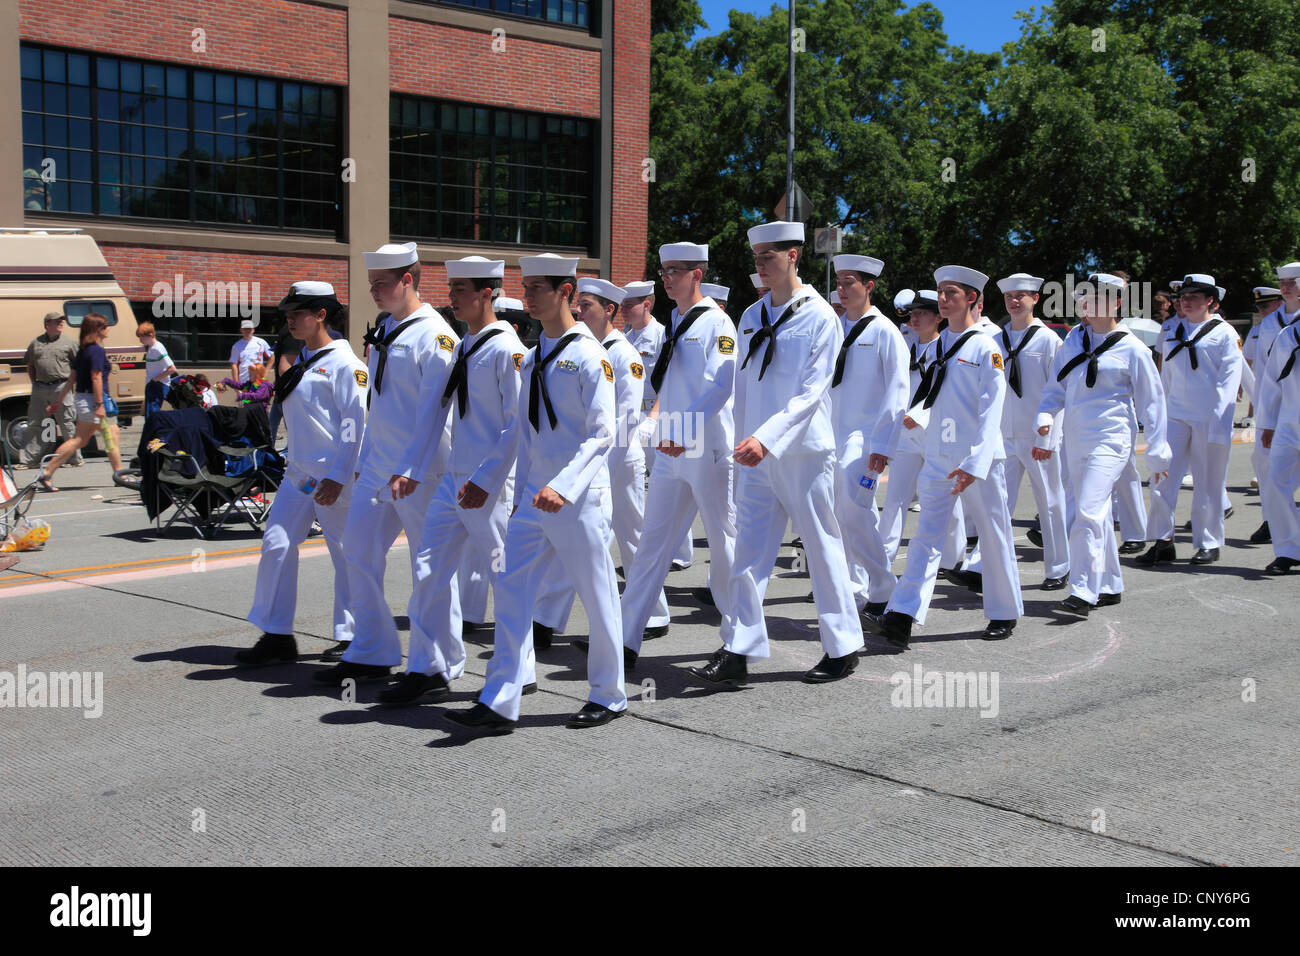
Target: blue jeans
154, 393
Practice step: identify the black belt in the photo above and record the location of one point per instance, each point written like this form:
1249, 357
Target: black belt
57, 381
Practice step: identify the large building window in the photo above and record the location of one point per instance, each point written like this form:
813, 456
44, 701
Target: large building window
477, 174
576, 13
109, 136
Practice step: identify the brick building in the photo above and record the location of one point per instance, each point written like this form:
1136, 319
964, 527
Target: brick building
271, 140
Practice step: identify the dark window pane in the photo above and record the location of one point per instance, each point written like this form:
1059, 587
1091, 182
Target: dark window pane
31, 58
266, 94
176, 82
177, 113
106, 73
79, 101
56, 98
108, 105
130, 77
79, 133
225, 88
32, 94
203, 86
56, 131
55, 67
79, 196
108, 138
79, 69
247, 95
79, 165
154, 79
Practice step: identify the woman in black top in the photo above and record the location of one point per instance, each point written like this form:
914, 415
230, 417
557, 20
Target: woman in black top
90, 371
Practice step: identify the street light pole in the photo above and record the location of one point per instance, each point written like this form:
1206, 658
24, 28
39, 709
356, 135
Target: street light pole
789, 139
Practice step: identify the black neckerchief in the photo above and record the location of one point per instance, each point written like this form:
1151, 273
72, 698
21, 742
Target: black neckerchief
458, 381
1013, 357
1090, 356
537, 386
670, 343
932, 381
858, 328
1183, 342
381, 348
1286, 369
767, 333
286, 383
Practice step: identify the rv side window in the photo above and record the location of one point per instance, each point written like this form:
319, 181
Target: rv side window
78, 309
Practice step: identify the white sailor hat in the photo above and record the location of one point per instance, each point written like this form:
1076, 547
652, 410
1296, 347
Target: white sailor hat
503, 304
1289, 271
757, 279
1222, 292
1097, 282
1175, 285
683, 252
903, 301
867, 264
639, 290
302, 294
476, 267
925, 299
835, 299
392, 256
718, 293
971, 277
776, 232
602, 288
248, 324
1020, 282
1200, 282
548, 264
1264, 293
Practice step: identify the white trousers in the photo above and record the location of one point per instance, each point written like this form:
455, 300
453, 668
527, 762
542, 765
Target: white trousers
870, 575
1208, 462
800, 489
473, 575
685, 553
900, 489
676, 492
371, 530
1049, 497
1127, 504
1283, 481
275, 596
573, 542
985, 501
1271, 500
1094, 553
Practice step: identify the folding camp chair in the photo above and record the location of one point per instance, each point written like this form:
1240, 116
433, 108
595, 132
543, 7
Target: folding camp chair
14, 502
206, 501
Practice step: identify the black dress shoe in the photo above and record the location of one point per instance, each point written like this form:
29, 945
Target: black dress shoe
971, 580
830, 669
1228, 512
875, 608
1107, 600
413, 687
946, 574
629, 655
542, 637
654, 633
678, 566
1282, 566
483, 719
1262, 535
336, 675
592, 715
1187, 525
724, 668
1132, 547
469, 627
1075, 605
1203, 556
1053, 584
269, 649
998, 630
972, 541
898, 628
335, 653
704, 596
1035, 536
1159, 553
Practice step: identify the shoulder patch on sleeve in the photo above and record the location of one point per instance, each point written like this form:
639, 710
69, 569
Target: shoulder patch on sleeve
997, 359
638, 370
609, 370
445, 343
363, 379
518, 360
726, 345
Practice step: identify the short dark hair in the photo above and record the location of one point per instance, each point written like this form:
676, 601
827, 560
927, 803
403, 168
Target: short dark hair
399, 271
603, 302
788, 244
481, 284
557, 281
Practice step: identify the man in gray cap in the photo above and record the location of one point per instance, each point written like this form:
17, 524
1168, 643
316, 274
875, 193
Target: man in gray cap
49, 363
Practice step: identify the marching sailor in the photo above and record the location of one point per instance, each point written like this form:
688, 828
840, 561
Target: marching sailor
1270, 328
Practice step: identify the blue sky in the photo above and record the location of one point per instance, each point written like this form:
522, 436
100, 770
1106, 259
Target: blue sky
980, 25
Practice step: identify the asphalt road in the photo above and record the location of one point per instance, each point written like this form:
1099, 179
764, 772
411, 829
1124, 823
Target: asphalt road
1160, 732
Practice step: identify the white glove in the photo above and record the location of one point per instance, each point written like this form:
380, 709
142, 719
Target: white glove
645, 432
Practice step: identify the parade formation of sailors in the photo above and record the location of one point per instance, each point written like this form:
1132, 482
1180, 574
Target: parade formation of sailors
523, 472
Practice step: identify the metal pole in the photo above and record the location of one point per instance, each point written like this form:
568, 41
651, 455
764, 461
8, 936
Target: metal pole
789, 141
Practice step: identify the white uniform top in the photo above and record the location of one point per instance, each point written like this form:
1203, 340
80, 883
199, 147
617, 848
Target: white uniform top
963, 427
696, 392
1278, 403
903, 439
988, 326
629, 383
400, 428
486, 441
1270, 327
649, 342
326, 414
1250, 347
789, 411
157, 361
1126, 377
1020, 412
574, 455
873, 394
1207, 393
247, 354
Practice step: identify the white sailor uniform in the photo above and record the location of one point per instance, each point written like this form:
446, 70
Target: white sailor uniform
1278, 408
325, 415
401, 440
1201, 374
963, 430
695, 411
869, 393
575, 383
783, 400
1271, 327
1027, 356
1098, 439
486, 439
